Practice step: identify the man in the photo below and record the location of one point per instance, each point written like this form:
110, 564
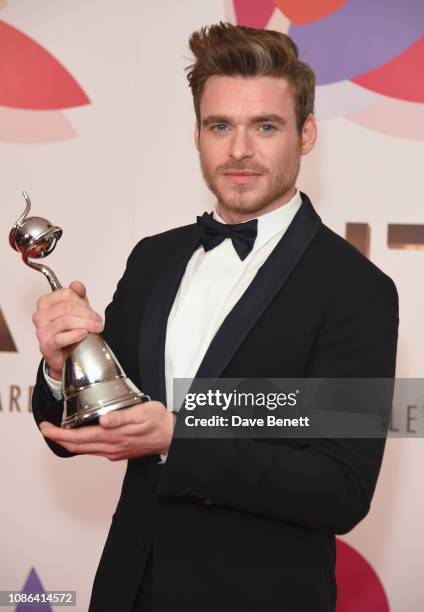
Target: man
231, 524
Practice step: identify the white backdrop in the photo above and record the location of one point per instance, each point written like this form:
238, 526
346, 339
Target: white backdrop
131, 170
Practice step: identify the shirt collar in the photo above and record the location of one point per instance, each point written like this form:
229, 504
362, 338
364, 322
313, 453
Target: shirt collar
273, 222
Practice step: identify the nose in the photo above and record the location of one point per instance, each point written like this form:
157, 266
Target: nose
240, 146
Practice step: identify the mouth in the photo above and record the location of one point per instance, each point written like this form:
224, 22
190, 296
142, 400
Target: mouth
241, 176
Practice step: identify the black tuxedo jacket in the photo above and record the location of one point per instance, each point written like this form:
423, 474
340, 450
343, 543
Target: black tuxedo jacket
245, 524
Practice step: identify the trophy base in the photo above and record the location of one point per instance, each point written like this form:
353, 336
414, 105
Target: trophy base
86, 406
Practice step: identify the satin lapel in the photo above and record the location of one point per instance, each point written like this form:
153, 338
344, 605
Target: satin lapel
268, 281
155, 319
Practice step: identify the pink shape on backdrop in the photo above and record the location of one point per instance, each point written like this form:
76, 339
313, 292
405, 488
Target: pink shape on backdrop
400, 78
253, 13
30, 77
24, 126
342, 98
392, 117
359, 587
306, 11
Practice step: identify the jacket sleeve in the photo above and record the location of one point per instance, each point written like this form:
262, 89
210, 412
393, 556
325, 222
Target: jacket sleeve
323, 484
44, 406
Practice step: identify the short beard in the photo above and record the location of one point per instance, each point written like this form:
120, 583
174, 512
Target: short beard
279, 186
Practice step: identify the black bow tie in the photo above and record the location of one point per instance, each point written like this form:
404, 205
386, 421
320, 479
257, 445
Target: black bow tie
212, 233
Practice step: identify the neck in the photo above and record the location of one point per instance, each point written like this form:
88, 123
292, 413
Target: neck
232, 216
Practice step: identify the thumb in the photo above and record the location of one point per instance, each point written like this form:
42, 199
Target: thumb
79, 289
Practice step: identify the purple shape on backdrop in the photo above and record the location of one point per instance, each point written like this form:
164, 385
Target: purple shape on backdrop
33, 585
253, 13
358, 37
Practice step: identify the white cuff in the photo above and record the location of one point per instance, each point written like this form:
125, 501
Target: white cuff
54, 385
164, 457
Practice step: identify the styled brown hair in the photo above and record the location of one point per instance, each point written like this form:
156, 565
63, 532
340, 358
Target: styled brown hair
226, 49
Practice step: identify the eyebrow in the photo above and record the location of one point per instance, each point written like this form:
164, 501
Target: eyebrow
271, 118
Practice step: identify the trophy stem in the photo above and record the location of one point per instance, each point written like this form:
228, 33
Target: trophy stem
48, 272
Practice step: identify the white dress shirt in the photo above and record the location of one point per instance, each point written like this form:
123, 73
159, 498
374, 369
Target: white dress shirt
212, 284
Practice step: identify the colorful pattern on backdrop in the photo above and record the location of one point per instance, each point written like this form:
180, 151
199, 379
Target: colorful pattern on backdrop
371, 75
32, 80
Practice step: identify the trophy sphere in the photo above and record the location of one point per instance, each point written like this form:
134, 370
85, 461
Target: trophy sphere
35, 237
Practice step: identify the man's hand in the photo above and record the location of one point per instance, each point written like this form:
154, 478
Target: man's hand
63, 318
144, 429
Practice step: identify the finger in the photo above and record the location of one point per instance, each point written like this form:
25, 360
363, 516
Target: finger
61, 334
108, 456
95, 433
125, 442
113, 456
90, 434
70, 322
131, 430
54, 351
134, 415
61, 295
50, 431
54, 344
80, 290
41, 318
90, 448
45, 424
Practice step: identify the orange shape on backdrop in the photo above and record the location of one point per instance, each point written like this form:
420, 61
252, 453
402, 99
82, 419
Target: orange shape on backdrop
306, 11
400, 78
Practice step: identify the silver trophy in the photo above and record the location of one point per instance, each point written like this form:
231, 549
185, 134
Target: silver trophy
93, 381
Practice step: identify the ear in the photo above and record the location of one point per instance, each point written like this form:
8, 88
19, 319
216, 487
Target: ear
309, 134
196, 135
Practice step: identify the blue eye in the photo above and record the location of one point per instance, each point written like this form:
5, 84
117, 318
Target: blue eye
217, 126
267, 125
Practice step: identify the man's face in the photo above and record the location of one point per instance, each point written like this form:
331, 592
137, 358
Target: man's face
248, 143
